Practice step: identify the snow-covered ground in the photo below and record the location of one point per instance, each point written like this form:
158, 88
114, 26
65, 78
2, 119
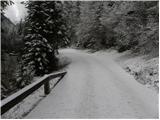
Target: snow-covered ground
96, 86
144, 69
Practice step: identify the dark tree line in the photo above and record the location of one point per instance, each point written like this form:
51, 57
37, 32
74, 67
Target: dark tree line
123, 25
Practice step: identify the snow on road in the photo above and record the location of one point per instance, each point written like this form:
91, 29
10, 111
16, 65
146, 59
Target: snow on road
96, 87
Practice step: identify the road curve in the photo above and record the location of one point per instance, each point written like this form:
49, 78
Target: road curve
96, 88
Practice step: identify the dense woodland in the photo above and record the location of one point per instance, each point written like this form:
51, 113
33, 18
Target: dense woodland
123, 25
51, 25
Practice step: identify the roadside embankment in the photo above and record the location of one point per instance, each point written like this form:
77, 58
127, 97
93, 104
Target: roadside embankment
144, 68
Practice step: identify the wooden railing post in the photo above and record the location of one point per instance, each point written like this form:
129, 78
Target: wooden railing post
46, 88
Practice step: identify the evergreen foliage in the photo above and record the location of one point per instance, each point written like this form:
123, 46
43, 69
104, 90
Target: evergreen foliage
71, 14
44, 33
45, 18
5, 3
125, 25
38, 54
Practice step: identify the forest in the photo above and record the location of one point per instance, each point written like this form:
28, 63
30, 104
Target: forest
33, 43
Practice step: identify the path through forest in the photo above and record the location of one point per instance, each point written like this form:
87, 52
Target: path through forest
95, 87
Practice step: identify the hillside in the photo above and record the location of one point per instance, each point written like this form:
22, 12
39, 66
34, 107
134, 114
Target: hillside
124, 25
8, 30
9, 61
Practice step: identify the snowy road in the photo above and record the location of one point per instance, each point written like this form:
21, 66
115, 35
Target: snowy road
96, 87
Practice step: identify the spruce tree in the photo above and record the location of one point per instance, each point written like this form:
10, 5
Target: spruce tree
71, 12
56, 32
49, 21
38, 54
90, 31
44, 33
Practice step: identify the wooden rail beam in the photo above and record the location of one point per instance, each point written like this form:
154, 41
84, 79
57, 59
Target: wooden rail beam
17, 97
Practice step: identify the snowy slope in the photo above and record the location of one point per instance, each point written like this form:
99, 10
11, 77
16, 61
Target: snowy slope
144, 68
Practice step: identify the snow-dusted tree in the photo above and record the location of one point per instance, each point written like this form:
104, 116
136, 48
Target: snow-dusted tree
38, 54
45, 18
38, 58
5, 3
56, 29
90, 30
71, 10
45, 32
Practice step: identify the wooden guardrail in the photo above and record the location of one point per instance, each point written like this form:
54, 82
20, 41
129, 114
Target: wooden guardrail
17, 97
